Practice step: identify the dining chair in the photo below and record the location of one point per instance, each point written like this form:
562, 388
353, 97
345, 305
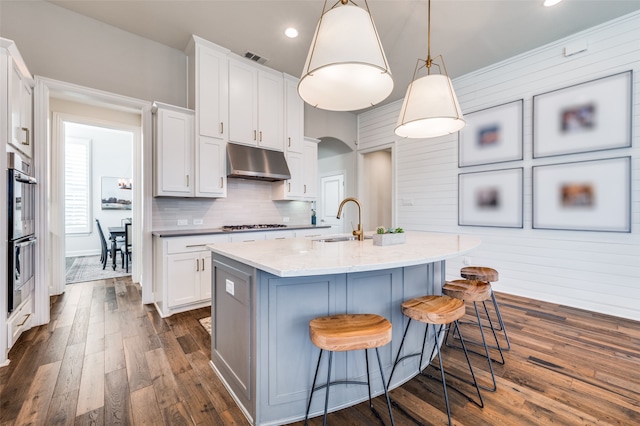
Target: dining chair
106, 250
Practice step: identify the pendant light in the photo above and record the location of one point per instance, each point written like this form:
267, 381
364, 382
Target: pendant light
346, 68
430, 107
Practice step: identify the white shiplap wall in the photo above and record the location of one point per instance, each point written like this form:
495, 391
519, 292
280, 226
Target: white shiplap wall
598, 271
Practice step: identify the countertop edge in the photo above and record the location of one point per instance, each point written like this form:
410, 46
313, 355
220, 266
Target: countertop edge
169, 233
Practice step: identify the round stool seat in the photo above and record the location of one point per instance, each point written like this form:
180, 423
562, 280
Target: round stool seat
472, 291
349, 332
479, 273
434, 309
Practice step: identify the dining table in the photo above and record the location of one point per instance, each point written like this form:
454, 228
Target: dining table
114, 233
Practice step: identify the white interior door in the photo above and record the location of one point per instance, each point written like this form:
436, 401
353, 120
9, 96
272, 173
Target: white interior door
331, 194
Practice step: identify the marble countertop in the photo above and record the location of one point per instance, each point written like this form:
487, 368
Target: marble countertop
194, 232
295, 257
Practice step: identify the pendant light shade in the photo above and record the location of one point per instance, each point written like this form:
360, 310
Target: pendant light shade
430, 107
346, 68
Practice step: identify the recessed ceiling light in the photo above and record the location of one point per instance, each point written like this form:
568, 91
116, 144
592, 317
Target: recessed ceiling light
550, 3
291, 32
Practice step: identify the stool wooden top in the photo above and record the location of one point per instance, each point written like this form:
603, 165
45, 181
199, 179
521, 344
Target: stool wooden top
349, 332
434, 309
479, 273
472, 291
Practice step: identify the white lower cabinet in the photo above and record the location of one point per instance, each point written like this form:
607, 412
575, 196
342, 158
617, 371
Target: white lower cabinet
182, 272
189, 278
182, 266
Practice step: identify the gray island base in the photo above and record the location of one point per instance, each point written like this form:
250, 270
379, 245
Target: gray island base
266, 292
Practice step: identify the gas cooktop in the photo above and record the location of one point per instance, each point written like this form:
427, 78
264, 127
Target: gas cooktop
246, 227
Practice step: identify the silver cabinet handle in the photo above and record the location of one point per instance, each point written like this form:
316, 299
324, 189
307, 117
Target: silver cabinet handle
202, 265
221, 182
197, 265
221, 127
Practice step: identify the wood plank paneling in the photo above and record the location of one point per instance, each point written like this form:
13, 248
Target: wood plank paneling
597, 271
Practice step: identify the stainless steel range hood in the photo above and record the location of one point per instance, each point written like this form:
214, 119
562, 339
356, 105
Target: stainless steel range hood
248, 162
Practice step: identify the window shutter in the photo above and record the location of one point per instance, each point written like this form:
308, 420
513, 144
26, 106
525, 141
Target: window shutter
77, 191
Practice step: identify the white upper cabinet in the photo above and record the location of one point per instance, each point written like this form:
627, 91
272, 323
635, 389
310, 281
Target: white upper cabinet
310, 169
209, 88
209, 97
304, 174
173, 151
17, 98
256, 105
294, 115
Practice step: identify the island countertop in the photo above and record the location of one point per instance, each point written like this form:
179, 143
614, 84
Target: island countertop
296, 257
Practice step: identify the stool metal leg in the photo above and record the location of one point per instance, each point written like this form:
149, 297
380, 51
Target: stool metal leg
444, 381
500, 321
326, 396
313, 388
386, 390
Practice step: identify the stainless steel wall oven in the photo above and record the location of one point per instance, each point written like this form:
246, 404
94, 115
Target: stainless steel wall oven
21, 215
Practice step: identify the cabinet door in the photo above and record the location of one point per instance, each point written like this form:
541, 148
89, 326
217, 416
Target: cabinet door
294, 116
212, 93
174, 154
183, 278
21, 112
211, 173
270, 111
243, 109
310, 171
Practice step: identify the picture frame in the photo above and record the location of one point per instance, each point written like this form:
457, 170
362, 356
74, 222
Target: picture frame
491, 198
592, 195
115, 193
491, 135
590, 116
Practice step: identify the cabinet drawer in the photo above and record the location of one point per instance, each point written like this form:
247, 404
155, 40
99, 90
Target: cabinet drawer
194, 243
19, 321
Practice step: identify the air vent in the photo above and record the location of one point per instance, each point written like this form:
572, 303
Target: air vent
255, 58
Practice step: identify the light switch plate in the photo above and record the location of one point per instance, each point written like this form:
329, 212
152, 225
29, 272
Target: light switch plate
230, 287
198, 221
182, 222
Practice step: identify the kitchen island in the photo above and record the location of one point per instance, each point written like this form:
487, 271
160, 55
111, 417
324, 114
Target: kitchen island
264, 294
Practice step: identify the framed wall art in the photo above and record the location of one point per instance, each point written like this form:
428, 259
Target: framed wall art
116, 193
591, 116
491, 198
583, 196
492, 135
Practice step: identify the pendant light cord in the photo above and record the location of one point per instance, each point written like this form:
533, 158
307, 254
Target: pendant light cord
428, 61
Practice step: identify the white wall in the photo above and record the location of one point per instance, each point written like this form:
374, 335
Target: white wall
69, 47
598, 271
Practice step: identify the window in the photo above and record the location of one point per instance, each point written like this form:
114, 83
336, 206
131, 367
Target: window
77, 185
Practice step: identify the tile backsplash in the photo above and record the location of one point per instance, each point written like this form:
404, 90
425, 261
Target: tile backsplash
247, 202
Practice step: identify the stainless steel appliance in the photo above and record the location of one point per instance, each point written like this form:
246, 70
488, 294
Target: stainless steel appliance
21, 270
21, 228
21, 194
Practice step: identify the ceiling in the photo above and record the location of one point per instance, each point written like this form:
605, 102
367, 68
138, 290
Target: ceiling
470, 34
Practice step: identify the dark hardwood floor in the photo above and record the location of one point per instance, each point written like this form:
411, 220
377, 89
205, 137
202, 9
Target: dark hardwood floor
107, 359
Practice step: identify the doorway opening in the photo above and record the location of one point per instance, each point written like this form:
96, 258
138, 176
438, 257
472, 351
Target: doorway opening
376, 187
98, 170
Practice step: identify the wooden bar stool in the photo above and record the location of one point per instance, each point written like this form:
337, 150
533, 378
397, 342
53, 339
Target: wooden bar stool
488, 275
440, 311
349, 332
475, 291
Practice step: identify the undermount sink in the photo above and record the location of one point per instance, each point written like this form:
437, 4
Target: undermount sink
341, 238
